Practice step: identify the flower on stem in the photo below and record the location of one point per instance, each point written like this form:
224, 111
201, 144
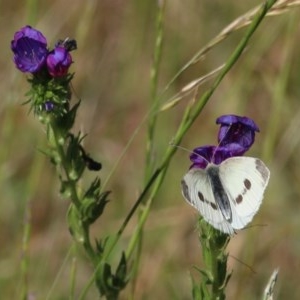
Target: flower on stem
236, 136
59, 61
31, 54
236, 130
50, 80
50, 97
30, 49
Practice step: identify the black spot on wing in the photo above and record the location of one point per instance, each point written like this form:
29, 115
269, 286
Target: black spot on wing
201, 197
185, 190
239, 199
212, 204
247, 187
247, 184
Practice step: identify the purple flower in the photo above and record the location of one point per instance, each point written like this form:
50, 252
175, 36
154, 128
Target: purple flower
204, 155
59, 61
237, 133
49, 106
30, 49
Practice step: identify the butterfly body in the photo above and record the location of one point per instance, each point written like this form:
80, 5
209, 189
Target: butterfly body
227, 195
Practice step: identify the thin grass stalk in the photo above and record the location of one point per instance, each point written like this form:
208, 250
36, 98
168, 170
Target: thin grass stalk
58, 275
149, 164
154, 86
277, 90
25, 254
73, 275
279, 7
25, 260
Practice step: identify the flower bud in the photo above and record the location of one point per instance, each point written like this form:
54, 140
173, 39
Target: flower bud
59, 61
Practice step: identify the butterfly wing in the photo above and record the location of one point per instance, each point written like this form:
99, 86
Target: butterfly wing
244, 180
197, 191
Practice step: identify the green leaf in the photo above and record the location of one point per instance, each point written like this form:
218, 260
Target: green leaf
75, 224
121, 272
94, 202
92, 208
100, 245
110, 284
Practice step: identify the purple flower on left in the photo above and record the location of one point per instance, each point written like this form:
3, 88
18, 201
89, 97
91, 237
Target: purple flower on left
30, 49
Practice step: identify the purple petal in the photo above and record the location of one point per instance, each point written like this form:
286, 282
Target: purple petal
232, 119
59, 61
201, 156
31, 33
236, 130
30, 49
204, 155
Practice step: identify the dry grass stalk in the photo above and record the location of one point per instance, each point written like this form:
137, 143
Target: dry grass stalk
282, 6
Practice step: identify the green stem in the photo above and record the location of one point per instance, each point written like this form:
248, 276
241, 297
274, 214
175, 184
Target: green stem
73, 189
60, 150
215, 277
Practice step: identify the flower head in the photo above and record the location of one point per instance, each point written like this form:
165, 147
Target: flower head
59, 61
236, 132
236, 135
30, 49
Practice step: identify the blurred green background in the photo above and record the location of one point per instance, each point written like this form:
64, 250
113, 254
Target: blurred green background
112, 77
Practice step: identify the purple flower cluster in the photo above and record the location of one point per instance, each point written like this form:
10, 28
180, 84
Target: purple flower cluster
236, 136
31, 54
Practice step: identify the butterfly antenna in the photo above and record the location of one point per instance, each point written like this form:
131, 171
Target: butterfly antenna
244, 264
187, 150
182, 148
219, 143
254, 225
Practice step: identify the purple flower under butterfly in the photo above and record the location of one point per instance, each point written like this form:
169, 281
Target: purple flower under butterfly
59, 61
30, 49
203, 155
236, 135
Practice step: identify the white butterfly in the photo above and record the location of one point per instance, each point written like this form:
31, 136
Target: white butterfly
227, 195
